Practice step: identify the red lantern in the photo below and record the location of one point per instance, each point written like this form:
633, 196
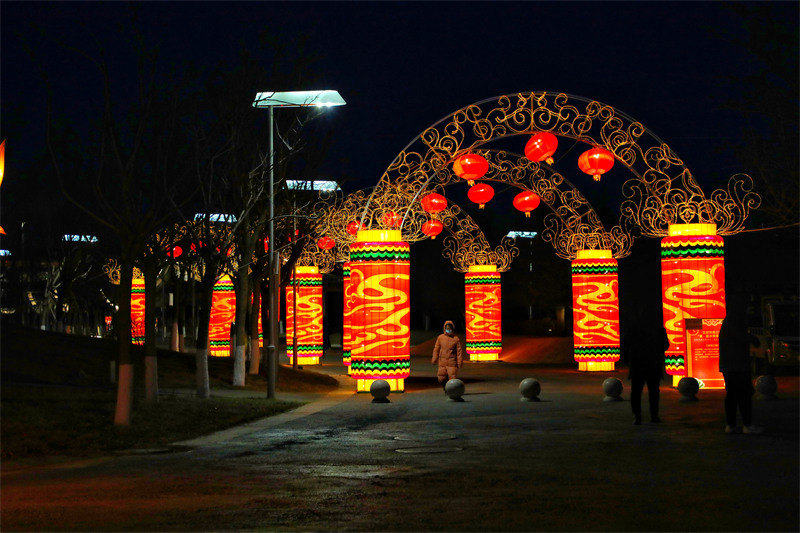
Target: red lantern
541, 146
480, 194
526, 201
392, 219
353, 227
326, 243
596, 162
470, 167
434, 203
175, 252
432, 228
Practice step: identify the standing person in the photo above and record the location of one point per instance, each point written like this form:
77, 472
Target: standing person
734, 363
644, 344
448, 353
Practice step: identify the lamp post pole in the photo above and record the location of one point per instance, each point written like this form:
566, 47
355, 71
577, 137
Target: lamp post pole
274, 265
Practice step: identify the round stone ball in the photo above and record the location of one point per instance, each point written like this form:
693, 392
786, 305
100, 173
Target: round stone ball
530, 388
612, 387
380, 389
688, 386
454, 388
766, 385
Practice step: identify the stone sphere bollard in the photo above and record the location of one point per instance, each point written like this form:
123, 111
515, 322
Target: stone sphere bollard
530, 389
380, 390
454, 389
612, 387
766, 387
688, 387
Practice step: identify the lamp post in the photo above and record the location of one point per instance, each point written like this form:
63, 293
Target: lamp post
270, 100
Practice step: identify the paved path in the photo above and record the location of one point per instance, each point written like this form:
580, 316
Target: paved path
491, 463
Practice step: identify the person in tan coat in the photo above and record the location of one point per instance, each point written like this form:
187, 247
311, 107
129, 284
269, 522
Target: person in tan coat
448, 354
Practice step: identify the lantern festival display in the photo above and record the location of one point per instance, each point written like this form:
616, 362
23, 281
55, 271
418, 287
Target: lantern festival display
483, 315
137, 310
595, 310
380, 323
260, 329
432, 228
470, 167
480, 194
307, 281
223, 313
541, 147
596, 162
693, 289
348, 309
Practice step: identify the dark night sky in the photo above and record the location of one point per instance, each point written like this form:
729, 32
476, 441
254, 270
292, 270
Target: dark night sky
402, 66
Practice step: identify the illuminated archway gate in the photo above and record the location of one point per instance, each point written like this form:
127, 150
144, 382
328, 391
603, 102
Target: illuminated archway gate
661, 193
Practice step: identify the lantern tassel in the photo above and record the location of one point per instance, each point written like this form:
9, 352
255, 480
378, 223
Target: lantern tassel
596, 177
550, 161
527, 214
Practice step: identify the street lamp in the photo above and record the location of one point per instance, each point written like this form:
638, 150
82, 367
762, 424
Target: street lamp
270, 100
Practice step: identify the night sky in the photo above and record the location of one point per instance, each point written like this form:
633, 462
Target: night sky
402, 66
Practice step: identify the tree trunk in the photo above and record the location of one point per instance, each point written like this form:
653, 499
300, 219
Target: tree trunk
150, 353
122, 412
201, 347
242, 306
174, 341
255, 312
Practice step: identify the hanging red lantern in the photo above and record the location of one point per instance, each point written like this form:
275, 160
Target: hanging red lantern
176, 252
470, 167
434, 203
480, 194
326, 243
392, 219
541, 146
596, 162
353, 227
432, 228
526, 201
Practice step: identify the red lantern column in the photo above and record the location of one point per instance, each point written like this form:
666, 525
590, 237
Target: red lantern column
693, 288
137, 311
482, 298
380, 326
348, 315
309, 316
223, 312
595, 310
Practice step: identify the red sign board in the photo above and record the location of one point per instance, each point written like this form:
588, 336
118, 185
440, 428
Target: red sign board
702, 350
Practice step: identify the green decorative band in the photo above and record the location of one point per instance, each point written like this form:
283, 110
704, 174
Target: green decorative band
218, 344
308, 282
594, 269
596, 350
692, 251
371, 365
481, 280
137, 290
488, 344
302, 348
380, 255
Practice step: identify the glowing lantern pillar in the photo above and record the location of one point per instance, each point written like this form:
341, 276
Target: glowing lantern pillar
380, 326
595, 310
693, 288
482, 304
223, 312
348, 316
137, 311
309, 316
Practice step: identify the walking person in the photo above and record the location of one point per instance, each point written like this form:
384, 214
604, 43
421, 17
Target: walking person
643, 345
447, 352
734, 363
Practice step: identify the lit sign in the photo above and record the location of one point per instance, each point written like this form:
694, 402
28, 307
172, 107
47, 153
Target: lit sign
309, 185
216, 217
79, 238
522, 234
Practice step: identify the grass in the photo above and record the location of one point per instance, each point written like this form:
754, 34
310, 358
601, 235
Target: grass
47, 420
57, 398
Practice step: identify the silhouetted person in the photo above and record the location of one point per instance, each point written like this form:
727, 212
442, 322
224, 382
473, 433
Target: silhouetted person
448, 354
643, 344
734, 363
